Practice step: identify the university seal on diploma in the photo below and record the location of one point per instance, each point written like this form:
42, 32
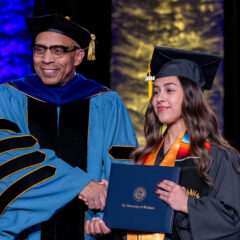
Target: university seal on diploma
139, 194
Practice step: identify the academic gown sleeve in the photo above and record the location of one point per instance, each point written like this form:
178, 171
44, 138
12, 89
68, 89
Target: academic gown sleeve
217, 216
36, 203
109, 126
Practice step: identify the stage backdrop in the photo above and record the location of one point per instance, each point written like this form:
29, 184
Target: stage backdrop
15, 41
136, 27
139, 25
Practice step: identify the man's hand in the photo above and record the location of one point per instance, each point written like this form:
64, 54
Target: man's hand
94, 195
96, 227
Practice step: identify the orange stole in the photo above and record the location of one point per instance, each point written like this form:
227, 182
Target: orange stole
169, 160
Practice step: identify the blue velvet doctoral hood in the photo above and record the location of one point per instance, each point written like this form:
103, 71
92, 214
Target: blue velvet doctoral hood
76, 89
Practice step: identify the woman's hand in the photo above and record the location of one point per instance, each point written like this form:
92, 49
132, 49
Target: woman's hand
174, 195
96, 227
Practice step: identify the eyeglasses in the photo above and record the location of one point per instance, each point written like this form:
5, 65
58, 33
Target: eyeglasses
57, 51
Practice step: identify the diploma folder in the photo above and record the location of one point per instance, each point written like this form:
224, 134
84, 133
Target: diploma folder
133, 204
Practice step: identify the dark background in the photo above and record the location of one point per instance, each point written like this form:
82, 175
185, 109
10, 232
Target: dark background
95, 15
231, 72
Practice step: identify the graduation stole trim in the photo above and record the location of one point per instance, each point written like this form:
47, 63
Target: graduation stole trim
6, 125
185, 150
169, 160
20, 163
24, 184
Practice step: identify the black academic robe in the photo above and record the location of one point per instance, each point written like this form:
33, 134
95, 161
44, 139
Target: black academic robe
214, 213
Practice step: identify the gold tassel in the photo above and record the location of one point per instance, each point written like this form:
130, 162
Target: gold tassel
91, 48
149, 79
150, 89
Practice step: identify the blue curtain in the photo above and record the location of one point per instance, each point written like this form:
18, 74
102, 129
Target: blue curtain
15, 41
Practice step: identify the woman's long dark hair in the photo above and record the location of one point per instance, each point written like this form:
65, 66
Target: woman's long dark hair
201, 124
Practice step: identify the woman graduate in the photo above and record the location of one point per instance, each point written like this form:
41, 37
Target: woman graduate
207, 199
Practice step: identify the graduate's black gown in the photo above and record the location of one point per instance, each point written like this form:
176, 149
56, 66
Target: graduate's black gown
213, 213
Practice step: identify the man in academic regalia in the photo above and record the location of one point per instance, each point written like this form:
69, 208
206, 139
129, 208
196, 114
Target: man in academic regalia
59, 134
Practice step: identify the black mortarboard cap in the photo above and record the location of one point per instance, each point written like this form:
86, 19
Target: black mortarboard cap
196, 66
62, 25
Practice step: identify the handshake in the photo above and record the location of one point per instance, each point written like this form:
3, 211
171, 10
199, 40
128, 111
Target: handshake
94, 195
